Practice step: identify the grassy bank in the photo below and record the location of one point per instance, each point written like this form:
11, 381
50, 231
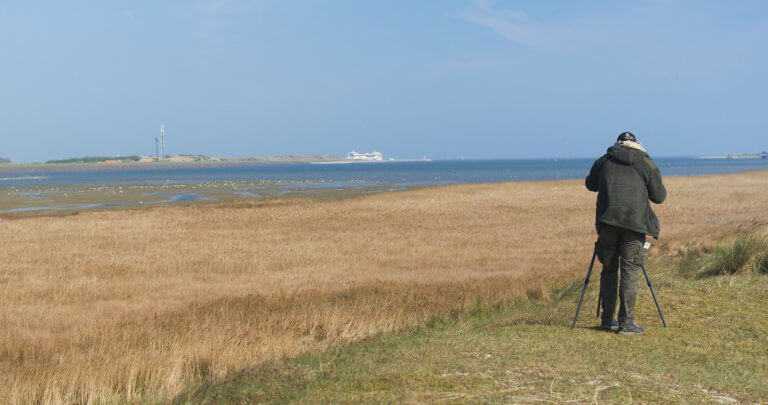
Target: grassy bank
714, 349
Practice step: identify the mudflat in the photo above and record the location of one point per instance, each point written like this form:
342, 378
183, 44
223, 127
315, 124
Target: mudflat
127, 304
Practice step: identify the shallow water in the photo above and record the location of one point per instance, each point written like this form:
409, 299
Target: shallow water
96, 187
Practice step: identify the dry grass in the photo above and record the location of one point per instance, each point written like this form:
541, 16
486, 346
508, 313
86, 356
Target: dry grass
138, 304
526, 352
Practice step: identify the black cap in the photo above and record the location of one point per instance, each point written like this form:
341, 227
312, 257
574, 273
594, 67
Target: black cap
626, 136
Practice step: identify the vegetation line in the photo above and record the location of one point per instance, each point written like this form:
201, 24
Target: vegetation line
96, 159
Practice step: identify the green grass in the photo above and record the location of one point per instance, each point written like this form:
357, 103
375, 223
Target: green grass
746, 253
714, 350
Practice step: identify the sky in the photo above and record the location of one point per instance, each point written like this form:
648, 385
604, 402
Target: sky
447, 79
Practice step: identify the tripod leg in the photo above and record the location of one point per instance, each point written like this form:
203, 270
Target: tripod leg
583, 290
653, 294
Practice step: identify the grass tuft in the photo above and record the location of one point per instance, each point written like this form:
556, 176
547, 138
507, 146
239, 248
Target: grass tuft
745, 254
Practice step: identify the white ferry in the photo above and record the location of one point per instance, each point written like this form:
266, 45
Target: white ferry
366, 156
375, 156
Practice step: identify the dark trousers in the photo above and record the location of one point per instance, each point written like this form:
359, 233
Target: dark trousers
620, 250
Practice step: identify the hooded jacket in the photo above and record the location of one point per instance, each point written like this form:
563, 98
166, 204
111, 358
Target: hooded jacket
626, 179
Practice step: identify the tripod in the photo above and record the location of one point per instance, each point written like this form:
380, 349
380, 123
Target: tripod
586, 282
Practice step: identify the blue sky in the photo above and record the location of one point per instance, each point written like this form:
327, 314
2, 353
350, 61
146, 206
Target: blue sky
447, 78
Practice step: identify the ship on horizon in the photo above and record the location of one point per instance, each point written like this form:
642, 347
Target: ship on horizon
368, 157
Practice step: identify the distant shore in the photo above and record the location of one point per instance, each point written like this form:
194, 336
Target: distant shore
762, 155
150, 163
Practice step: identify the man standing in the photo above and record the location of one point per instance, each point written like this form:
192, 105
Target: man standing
625, 179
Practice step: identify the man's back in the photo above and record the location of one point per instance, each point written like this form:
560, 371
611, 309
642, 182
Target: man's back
626, 179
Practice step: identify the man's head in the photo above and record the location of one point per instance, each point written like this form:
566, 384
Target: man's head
626, 137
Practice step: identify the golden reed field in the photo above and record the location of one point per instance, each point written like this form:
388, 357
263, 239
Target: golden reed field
140, 304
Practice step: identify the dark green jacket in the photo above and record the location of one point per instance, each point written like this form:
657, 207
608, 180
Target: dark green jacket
626, 179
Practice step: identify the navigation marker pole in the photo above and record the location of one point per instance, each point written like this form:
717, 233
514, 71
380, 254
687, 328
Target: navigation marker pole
162, 141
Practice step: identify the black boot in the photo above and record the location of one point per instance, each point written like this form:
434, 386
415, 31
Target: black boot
630, 329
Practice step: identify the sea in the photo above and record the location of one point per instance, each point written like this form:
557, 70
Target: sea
308, 177
393, 173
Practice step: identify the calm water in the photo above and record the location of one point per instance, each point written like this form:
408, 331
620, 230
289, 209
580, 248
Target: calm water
309, 178
401, 174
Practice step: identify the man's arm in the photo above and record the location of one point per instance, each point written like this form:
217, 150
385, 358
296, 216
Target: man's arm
657, 193
593, 181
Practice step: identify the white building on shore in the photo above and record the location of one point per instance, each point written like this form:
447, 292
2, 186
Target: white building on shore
365, 156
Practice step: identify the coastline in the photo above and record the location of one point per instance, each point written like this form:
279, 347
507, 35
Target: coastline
10, 168
736, 156
67, 199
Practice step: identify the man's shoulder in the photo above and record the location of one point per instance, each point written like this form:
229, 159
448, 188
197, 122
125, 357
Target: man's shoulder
601, 159
650, 163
